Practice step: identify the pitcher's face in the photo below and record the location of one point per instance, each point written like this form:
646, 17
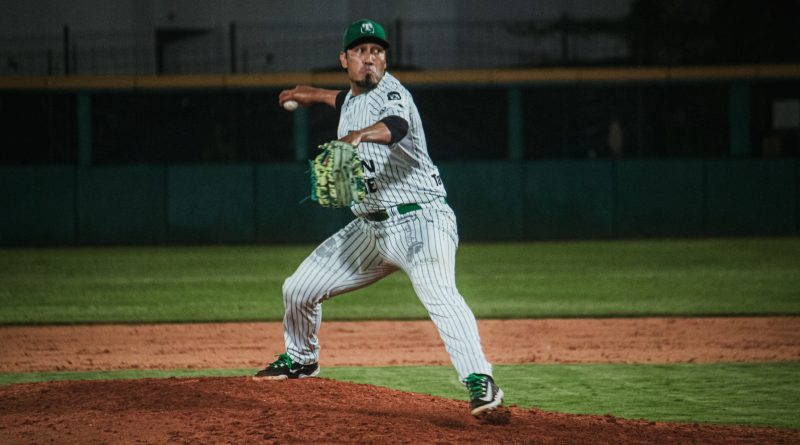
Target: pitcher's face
365, 64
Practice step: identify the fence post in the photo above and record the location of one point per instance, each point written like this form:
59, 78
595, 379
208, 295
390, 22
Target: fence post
84, 129
398, 43
66, 49
232, 41
565, 39
301, 130
739, 118
50, 62
516, 145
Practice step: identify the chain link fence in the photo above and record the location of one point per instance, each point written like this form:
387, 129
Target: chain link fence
282, 47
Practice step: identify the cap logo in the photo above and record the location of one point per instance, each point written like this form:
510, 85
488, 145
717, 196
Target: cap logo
367, 28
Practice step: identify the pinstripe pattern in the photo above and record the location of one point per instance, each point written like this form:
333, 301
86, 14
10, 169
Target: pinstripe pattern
404, 173
421, 243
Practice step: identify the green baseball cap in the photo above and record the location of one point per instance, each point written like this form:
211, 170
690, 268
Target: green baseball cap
364, 29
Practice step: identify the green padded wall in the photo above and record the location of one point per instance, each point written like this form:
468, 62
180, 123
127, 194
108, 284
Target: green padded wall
122, 204
659, 198
211, 203
494, 201
38, 205
567, 199
751, 197
486, 199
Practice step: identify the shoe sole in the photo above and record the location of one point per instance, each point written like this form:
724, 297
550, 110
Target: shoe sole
287, 377
489, 407
271, 377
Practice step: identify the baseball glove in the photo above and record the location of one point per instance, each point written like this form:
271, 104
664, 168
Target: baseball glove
337, 179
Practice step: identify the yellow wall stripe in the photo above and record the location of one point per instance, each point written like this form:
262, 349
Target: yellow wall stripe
438, 77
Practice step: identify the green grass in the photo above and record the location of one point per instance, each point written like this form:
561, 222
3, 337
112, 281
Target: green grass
754, 394
520, 280
125, 374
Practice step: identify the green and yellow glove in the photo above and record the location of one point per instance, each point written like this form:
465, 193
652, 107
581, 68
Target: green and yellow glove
337, 179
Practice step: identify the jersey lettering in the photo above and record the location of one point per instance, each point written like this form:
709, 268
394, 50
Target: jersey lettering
368, 165
372, 186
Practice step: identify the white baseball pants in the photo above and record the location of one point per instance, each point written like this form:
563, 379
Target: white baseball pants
421, 243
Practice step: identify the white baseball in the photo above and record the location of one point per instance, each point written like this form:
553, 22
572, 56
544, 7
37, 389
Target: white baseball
290, 105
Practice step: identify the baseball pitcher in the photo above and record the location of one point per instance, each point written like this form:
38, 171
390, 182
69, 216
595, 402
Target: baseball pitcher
403, 221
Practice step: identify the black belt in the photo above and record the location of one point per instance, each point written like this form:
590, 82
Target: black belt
383, 215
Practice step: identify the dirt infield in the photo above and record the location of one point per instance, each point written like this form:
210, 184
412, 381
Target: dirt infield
239, 410
377, 343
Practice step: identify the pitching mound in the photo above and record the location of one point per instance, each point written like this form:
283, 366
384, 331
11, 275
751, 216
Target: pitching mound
240, 410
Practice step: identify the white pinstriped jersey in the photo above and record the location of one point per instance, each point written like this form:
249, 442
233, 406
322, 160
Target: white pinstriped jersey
402, 173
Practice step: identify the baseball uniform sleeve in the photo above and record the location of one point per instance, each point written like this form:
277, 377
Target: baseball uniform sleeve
340, 97
397, 126
396, 104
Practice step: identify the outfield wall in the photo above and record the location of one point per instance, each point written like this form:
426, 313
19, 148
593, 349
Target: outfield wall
213, 158
504, 200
